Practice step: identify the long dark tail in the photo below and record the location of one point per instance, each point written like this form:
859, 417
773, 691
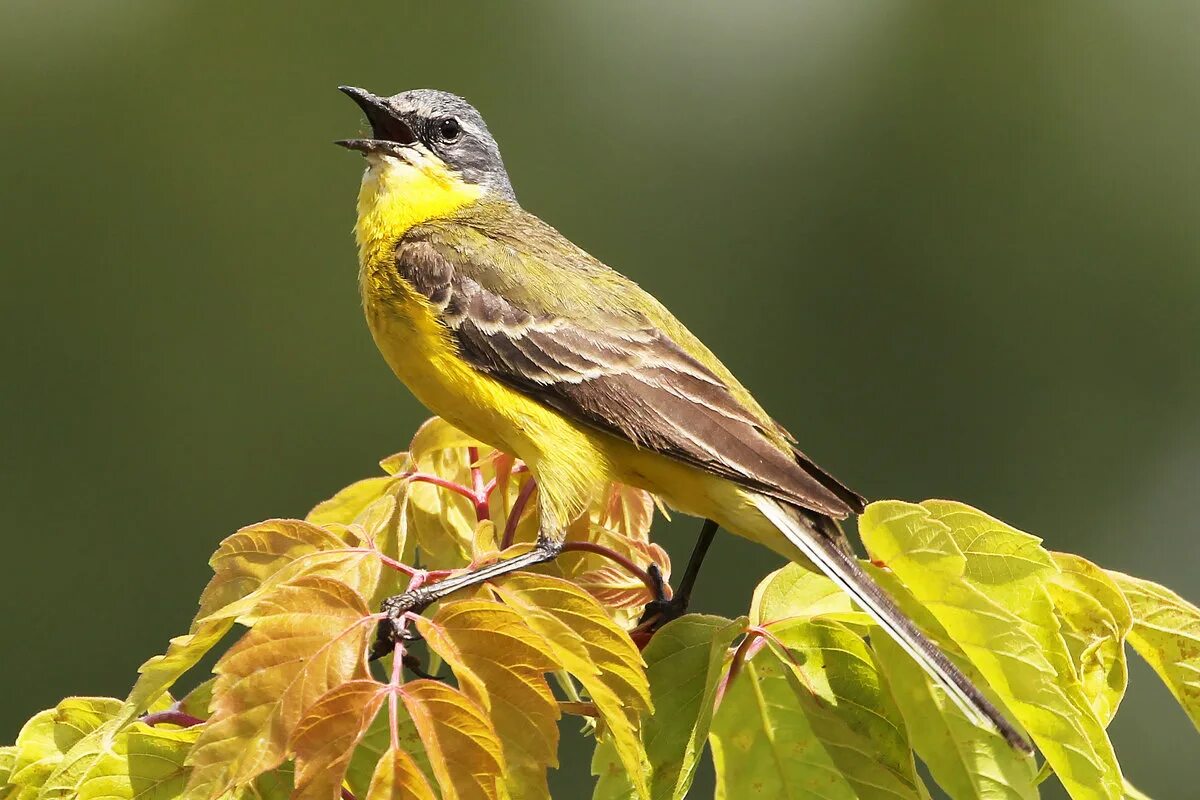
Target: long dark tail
843, 569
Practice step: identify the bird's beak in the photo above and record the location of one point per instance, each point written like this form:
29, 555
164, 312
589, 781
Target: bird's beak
390, 134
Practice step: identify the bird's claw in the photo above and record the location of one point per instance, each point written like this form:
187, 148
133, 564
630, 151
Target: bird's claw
394, 627
661, 609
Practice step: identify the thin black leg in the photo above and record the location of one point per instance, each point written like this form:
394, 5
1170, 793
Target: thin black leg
417, 600
660, 608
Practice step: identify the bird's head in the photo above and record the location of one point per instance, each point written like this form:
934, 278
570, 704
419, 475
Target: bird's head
428, 151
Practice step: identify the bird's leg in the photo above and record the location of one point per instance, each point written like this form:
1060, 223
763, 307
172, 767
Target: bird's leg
662, 610
416, 600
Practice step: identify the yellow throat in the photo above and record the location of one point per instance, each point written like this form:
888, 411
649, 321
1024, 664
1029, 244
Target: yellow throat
396, 195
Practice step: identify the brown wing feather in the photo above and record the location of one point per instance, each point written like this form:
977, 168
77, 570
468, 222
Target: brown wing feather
632, 382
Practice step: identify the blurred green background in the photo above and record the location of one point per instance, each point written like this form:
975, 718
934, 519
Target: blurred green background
954, 248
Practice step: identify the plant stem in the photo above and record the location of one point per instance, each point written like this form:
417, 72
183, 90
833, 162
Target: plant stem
172, 717
514, 514
624, 561
482, 511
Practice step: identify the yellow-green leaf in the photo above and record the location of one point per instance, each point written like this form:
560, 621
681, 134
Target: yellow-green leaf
585, 641
309, 637
986, 583
763, 745
684, 662
795, 591
47, 742
1096, 619
147, 763
501, 664
345, 506
324, 740
397, 777
964, 759
159, 673
1166, 632
463, 749
848, 705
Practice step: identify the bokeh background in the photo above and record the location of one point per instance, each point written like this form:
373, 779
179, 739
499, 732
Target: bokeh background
953, 247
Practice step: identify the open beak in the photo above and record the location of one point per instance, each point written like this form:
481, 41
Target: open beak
390, 134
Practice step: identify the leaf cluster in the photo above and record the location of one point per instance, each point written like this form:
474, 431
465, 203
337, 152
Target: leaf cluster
802, 696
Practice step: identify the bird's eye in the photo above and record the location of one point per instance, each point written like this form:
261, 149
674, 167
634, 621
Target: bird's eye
449, 129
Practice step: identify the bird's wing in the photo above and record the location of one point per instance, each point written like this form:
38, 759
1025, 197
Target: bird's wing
609, 368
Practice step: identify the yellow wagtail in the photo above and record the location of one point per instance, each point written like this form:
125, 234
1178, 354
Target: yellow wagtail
505, 328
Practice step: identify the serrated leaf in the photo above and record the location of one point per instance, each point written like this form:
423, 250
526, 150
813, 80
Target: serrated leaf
159, 673
309, 637
252, 562
1096, 619
197, 702
377, 742
324, 740
967, 761
147, 763
463, 749
600, 655
436, 435
397, 777
848, 705
345, 506
762, 743
441, 521
684, 663
51, 740
501, 664
625, 510
1166, 633
985, 582
795, 591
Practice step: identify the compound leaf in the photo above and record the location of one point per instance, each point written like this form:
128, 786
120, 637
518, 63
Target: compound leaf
585, 641
501, 664
985, 582
1166, 633
309, 637
463, 749
397, 777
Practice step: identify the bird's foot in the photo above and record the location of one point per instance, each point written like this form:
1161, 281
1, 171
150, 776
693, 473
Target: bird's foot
661, 609
394, 625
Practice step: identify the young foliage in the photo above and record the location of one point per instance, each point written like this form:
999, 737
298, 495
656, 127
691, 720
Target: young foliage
804, 696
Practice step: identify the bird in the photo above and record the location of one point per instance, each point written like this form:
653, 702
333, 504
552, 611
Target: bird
508, 330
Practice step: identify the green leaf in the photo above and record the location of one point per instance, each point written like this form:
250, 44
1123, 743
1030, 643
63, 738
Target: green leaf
684, 662
57, 739
796, 591
159, 673
1134, 793
763, 744
1096, 619
848, 705
1166, 633
147, 763
375, 745
986, 583
967, 761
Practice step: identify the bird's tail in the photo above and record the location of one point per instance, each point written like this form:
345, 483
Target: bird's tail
843, 569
